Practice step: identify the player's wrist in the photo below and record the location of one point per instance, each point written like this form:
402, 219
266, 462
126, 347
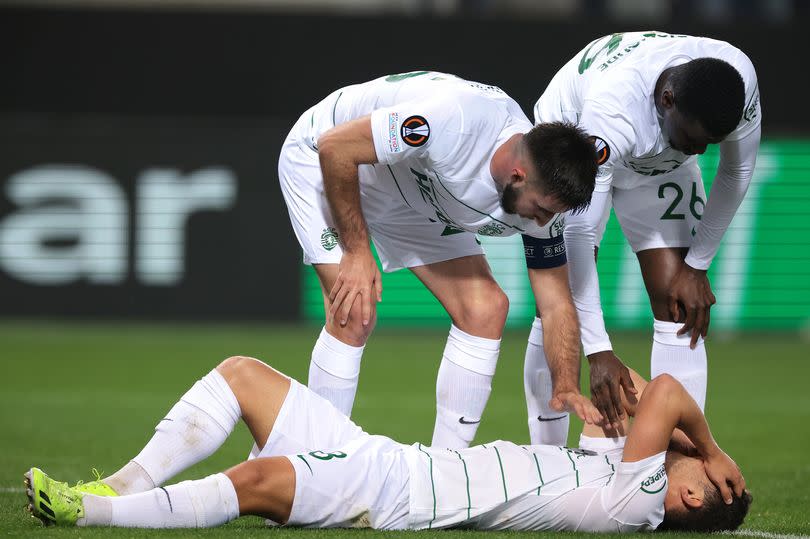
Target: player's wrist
695, 271
602, 354
694, 264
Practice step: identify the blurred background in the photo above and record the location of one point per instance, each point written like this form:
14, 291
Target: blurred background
143, 236
140, 140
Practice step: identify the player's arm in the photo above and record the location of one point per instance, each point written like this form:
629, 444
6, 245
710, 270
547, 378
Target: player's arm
341, 151
561, 340
690, 287
678, 441
665, 406
609, 377
614, 137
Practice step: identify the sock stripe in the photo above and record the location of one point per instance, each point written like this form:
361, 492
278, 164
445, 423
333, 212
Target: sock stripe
169, 498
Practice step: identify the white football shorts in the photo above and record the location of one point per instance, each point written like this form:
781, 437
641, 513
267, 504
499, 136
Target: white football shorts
344, 477
659, 211
403, 237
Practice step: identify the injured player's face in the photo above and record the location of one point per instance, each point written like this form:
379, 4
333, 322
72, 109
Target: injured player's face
694, 503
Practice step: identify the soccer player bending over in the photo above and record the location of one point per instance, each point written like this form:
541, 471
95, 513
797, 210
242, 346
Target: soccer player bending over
315, 468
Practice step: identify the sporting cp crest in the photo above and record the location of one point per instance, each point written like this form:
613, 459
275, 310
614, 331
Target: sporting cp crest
329, 238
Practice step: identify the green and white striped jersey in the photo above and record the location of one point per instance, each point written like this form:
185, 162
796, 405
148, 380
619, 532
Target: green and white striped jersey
501, 485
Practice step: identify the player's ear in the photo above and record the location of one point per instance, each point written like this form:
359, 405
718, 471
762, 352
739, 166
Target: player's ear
667, 98
692, 496
518, 177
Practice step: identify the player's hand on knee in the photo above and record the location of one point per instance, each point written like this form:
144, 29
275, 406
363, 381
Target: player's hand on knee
609, 377
691, 293
358, 278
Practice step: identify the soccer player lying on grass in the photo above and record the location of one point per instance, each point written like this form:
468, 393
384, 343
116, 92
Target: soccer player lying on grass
314, 467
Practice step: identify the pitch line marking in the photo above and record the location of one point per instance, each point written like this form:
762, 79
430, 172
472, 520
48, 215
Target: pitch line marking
13, 490
765, 535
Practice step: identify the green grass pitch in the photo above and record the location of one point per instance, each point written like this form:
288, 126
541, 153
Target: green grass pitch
77, 396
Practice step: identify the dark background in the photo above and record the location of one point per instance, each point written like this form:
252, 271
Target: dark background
122, 91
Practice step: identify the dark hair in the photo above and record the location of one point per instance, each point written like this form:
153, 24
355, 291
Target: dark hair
710, 91
713, 516
565, 160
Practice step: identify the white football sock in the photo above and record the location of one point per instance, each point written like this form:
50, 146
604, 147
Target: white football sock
130, 479
193, 429
463, 387
334, 371
546, 425
671, 354
203, 503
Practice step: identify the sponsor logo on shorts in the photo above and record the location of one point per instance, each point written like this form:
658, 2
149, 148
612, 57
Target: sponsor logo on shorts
602, 150
329, 238
393, 133
491, 229
656, 482
415, 131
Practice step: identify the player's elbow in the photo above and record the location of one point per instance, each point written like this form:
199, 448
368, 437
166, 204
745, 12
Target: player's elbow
328, 144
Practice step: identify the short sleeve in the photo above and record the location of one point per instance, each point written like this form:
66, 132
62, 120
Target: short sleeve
613, 136
415, 129
635, 496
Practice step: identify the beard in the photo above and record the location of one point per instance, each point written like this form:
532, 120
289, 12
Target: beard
509, 199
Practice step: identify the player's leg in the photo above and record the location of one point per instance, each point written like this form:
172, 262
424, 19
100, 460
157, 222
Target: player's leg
263, 487
478, 308
200, 422
659, 219
671, 353
546, 425
364, 483
334, 369
335, 361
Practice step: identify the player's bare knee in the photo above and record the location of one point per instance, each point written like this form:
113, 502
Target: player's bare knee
484, 313
238, 369
354, 333
248, 478
659, 302
663, 383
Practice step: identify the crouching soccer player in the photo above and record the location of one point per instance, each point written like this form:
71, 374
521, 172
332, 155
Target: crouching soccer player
316, 468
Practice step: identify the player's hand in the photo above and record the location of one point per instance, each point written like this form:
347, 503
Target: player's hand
691, 289
576, 402
724, 473
358, 277
609, 376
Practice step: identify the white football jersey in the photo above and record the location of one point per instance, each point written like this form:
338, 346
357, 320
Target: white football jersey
435, 135
502, 485
607, 88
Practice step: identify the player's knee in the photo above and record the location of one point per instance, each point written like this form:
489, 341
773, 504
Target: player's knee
237, 368
663, 383
249, 478
485, 312
354, 333
659, 301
